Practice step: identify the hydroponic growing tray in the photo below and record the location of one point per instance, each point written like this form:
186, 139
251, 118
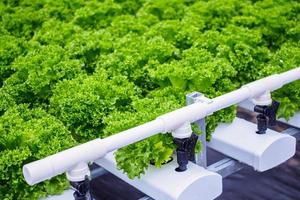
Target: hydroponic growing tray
156, 190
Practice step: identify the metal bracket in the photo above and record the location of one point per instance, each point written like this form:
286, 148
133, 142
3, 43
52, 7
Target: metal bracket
226, 167
145, 198
201, 157
293, 131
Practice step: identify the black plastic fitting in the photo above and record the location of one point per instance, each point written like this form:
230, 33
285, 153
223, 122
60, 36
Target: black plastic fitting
81, 189
262, 124
185, 151
267, 116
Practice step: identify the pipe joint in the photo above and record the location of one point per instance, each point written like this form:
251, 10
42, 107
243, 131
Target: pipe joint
258, 87
264, 99
78, 173
184, 131
185, 141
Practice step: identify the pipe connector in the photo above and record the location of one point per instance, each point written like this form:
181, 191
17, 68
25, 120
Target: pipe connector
79, 178
185, 141
258, 87
78, 173
264, 99
184, 131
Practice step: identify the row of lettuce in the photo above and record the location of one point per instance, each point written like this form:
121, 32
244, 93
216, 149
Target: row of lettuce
71, 71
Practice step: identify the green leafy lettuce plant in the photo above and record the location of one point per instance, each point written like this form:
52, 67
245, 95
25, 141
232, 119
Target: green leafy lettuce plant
71, 71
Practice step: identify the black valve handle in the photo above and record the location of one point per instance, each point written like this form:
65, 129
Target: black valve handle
267, 116
272, 115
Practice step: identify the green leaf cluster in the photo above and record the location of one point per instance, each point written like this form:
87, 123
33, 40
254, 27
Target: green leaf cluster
27, 135
83, 102
134, 159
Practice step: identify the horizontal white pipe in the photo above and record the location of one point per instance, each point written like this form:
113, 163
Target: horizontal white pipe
61, 162
291, 75
200, 110
133, 135
66, 160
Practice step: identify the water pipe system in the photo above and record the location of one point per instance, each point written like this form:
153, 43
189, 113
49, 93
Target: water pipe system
73, 160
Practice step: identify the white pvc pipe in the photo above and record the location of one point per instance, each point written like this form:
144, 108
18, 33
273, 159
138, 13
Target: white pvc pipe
291, 75
133, 135
53, 165
63, 161
200, 110
66, 160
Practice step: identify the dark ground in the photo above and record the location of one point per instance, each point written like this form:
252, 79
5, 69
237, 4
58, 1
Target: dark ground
280, 183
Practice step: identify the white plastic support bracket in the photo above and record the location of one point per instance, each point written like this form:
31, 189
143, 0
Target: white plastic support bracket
201, 157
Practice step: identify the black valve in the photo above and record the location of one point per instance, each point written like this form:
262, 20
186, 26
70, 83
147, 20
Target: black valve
262, 124
267, 116
81, 189
185, 151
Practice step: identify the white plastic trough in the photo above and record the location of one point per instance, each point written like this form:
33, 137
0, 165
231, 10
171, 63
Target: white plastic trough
165, 183
239, 141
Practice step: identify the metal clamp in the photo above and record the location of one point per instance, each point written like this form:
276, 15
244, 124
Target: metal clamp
201, 157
